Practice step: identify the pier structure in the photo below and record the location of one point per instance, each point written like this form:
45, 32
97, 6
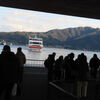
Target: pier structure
36, 86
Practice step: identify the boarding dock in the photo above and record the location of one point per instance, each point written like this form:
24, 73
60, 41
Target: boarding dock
37, 87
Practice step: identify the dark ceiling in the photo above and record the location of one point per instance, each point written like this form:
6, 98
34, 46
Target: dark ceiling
81, 8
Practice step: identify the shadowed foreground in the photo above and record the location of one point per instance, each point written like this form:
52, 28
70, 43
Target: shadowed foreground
36, 87
35, 84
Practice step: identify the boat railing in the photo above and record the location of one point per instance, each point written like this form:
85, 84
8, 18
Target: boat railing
34, 63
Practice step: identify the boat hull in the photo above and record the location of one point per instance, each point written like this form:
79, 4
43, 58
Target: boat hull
35, 48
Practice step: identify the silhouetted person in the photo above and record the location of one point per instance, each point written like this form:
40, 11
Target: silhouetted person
54, 54
58, 68
9, 71
94, 65
72, 66
49, 64
83, 70
22, 59
67, 68
77, 63
46, 62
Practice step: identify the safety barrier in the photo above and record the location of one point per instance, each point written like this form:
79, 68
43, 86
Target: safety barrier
34, 63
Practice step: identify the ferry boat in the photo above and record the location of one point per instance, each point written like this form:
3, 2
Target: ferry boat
35, 43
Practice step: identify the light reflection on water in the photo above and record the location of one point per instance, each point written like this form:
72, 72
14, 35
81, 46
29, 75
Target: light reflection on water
44, 53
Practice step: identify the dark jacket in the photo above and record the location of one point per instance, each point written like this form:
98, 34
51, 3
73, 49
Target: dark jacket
94, 63
83, 70
9, 68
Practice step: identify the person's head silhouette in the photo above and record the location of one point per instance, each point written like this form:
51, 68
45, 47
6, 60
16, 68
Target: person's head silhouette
95, 55
6, 48
19, 49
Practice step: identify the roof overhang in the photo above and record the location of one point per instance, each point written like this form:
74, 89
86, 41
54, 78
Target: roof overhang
81, 8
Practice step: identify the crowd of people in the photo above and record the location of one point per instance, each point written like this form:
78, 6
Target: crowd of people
11, 70
68, 69
63, 69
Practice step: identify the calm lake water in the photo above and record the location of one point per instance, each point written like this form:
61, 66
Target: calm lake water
44, 53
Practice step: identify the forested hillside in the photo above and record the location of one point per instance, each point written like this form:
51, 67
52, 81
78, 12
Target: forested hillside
74, 38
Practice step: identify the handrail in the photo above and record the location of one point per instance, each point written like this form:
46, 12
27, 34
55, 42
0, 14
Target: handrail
34, 60
34, 63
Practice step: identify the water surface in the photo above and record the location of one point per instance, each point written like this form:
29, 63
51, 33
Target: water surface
46, 51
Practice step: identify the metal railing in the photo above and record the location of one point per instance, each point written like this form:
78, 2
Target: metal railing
34, 63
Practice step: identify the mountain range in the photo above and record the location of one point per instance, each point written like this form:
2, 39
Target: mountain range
85, 38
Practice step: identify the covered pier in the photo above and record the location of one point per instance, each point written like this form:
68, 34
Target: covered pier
37, 87
35, 83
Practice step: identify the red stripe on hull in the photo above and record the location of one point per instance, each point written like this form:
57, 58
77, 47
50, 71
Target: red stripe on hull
35, 47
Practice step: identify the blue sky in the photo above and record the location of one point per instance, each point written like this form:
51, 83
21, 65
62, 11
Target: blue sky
12, 19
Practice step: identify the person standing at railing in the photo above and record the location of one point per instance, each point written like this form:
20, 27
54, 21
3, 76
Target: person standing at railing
94, 65
22, 59
49, 64
82, 79
58, 68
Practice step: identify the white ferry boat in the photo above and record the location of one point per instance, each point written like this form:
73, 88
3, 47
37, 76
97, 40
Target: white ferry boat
35, 44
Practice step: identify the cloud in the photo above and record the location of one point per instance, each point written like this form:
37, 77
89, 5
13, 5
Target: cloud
12, 19
22, 13
77, 21
25, 14
24, 20
18, 27
5, 28
42, 24
10, 27
36, 24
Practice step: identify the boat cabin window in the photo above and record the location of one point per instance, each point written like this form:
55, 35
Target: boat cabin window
36, 39
35, 43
